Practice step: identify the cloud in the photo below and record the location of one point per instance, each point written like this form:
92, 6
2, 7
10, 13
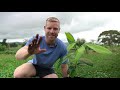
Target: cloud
85, 22
26, 24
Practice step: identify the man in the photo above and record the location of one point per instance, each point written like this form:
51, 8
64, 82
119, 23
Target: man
46, 50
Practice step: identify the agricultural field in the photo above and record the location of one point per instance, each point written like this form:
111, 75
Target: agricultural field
104, 66
8, 63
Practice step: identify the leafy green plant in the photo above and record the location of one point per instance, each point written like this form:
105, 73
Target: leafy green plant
76, 50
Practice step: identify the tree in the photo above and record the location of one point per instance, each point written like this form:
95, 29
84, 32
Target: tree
110, 37
92, 41
4, 42
79, 41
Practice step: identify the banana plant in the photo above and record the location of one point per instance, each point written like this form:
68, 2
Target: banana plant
75, 51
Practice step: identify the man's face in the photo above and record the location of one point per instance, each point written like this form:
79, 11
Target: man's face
51, 30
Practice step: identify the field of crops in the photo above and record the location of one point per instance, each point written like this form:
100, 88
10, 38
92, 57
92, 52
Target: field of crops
104, 66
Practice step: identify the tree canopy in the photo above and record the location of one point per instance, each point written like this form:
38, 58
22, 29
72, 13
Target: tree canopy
110, 37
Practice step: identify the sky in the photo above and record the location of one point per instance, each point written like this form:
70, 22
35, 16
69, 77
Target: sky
18, 26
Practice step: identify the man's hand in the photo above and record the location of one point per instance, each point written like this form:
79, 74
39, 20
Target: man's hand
34, 47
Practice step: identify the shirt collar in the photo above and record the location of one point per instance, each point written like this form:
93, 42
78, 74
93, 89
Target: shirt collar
53, 45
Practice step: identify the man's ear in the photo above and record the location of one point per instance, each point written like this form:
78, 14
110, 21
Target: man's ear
44, 27
59, 29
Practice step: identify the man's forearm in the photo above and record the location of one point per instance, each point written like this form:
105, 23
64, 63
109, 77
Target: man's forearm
64, 68
22, 54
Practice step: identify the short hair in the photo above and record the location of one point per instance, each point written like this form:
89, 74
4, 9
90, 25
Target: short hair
53, 19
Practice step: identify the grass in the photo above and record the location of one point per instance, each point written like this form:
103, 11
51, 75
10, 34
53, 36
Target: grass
104, 66
8, 63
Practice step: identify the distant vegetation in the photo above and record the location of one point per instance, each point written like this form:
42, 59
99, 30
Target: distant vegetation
110, 37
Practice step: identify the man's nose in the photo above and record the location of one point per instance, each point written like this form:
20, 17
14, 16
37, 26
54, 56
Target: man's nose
52, 31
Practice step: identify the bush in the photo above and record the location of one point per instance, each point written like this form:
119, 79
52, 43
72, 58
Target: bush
2, 47
13, 44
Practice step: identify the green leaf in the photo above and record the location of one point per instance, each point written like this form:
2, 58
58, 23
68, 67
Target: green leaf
59, 63
63, 59
70, 46
69, 37
85, 61
79, 53
72, 71
98, 48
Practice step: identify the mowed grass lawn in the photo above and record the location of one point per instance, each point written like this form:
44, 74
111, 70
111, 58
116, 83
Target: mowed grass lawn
104, 66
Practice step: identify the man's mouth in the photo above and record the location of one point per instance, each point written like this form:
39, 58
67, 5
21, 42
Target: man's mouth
51, 35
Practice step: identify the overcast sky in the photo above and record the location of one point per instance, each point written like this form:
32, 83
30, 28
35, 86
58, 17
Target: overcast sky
87, 25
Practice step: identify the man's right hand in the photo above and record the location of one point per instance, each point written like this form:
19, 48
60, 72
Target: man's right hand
34, 47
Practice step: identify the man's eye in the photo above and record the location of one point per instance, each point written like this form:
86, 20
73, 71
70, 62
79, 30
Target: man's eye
49, 28
55, 28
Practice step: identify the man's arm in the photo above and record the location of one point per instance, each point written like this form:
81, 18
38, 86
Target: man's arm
32, 48
64, 68
22, 53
